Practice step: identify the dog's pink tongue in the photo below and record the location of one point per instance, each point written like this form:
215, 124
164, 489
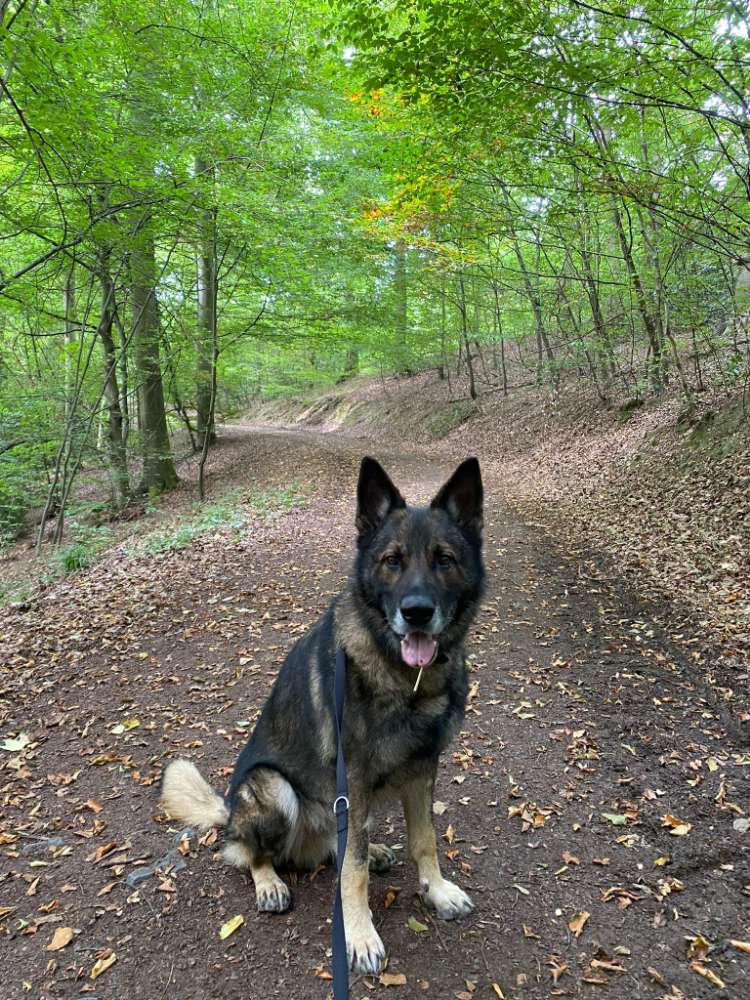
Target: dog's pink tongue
418, 649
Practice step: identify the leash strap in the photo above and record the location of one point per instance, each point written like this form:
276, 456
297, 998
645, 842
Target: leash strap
340, 962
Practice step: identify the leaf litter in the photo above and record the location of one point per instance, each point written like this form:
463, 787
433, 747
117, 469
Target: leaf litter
185, 645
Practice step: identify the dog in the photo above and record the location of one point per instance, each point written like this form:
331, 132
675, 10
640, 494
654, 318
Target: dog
417, 580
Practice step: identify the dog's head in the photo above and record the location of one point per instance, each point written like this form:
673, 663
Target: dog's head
419, 570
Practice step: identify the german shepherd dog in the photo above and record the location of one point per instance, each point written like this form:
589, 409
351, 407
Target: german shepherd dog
417, 580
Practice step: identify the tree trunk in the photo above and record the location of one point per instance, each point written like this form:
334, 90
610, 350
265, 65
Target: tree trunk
71, 330
118, 462
401, 310
207, 296
499, 331
158, 467
465, 335
649, 323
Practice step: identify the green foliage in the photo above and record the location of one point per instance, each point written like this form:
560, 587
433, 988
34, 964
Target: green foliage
87, 543
278, 500
517, 193
443, 419
203, 519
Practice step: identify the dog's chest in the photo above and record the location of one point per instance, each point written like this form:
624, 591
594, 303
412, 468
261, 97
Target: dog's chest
400, 740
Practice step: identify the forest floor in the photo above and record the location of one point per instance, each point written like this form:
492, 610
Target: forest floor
595, 804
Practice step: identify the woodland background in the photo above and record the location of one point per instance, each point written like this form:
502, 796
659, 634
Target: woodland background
205, 205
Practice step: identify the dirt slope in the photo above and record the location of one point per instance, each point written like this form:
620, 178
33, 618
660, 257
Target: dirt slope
595, 801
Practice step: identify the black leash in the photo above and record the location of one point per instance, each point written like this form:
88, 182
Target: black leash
339, 961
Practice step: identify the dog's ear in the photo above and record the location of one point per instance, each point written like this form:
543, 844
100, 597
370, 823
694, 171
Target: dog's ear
376, 497
462, 496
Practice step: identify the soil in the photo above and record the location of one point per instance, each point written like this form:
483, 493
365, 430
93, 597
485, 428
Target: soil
594, 806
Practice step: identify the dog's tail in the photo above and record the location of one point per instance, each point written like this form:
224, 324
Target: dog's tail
189, 798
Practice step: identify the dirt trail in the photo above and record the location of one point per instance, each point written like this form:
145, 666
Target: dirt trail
587, 726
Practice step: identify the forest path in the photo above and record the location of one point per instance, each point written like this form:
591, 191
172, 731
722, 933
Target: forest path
586, 727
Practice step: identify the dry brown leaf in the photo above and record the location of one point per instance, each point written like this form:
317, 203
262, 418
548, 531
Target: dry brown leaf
676, 826
708, 974
62, 937
391, 895
578, 921
597, 963
498, 992
698, 947
321, 972
392, 979
656, 976
740, 945
557, 967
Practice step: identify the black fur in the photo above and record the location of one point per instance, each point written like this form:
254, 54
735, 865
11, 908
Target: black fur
384, 737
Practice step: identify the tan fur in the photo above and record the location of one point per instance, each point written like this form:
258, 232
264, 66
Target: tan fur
188, 797
363, 942
448, 899
421, 833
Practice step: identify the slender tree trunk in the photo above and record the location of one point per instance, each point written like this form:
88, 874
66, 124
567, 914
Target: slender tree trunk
465, 335
207, 297
158, 467
649, 323
499, 330
401, 310
118, 462
444, 332
71, 333
542, 342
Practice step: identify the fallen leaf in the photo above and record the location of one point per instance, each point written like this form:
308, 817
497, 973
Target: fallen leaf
416, 926
102, 964
392, 979
616, 819
15, 743
578, 921
125, 726
676, 827
557, 967
321, 972
391, 895
708, 974
439, 807
740, 945
498, 992
62, 937
698, 946
231, 925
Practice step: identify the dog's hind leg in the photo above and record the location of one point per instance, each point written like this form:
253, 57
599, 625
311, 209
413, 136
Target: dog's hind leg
263, 822
381, 858
448, 900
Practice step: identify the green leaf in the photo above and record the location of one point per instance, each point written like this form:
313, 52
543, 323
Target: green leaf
616, 819
231, 925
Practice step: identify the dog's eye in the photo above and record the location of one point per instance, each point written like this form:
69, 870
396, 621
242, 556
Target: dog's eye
445, 559
393, 559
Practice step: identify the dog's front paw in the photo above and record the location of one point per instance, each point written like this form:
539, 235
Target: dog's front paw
365, 949
272, 896
448, 901
381, 857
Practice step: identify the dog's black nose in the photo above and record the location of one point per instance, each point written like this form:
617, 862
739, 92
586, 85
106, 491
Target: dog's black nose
417, 610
